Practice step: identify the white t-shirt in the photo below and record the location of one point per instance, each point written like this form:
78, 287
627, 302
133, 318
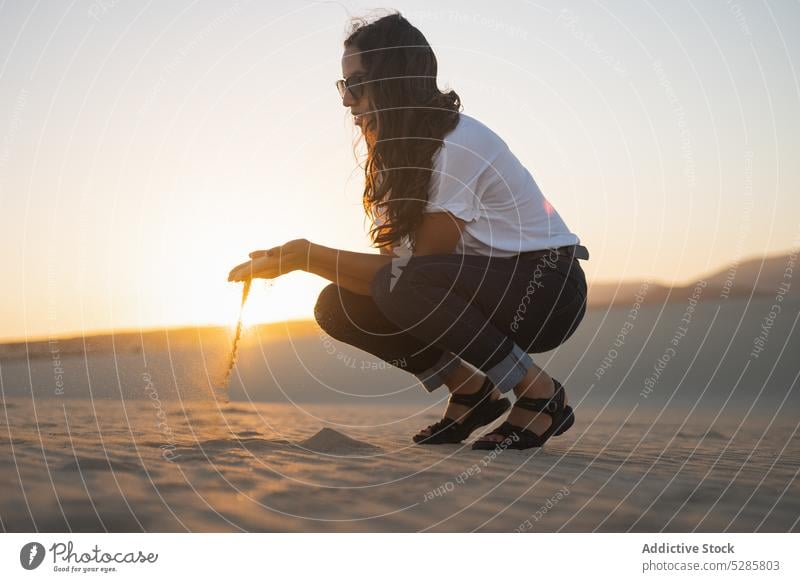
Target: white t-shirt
477, 179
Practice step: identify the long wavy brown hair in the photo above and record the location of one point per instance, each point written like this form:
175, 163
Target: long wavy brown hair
409, 117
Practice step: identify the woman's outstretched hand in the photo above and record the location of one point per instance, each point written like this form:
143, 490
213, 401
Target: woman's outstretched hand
274, 262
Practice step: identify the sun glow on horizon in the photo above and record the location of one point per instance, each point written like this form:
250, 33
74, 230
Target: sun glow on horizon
291, 297
130, 216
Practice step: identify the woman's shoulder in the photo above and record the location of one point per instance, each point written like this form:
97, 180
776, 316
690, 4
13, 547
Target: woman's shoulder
473, 136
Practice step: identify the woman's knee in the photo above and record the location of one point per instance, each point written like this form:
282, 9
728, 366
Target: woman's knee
328, 310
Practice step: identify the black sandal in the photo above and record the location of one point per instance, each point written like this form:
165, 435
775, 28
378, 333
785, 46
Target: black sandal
516, 437
483, 411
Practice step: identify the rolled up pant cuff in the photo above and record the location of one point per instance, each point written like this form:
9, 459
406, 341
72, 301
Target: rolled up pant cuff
510, 370
434, 377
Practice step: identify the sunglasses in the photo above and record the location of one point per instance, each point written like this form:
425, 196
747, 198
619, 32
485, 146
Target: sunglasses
354, 84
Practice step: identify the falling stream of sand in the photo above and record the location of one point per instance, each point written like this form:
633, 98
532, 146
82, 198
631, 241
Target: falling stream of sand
223, 389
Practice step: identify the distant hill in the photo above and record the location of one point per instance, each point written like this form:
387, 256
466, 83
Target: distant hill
127, 342
759, 277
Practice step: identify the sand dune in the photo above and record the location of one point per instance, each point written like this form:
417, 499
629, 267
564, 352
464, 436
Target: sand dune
682, 425
754, 277
751, 277
101, 467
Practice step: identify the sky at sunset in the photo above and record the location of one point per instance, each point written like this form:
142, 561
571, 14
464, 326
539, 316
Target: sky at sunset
147, 147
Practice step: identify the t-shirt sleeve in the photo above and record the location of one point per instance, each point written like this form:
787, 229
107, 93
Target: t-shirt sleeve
454, 182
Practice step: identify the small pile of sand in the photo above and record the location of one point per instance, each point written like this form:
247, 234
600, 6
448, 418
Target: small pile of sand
332, 441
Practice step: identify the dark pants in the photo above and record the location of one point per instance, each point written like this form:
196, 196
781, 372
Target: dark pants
426, 315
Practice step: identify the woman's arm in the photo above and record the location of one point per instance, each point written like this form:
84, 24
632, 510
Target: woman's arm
353, 271
437, 234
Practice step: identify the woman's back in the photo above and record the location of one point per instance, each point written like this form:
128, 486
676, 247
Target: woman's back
478, 179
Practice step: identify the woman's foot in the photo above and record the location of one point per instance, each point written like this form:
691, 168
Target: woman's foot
536, 384
474, 402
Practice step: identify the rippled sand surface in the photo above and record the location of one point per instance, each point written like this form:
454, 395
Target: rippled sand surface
95, 465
